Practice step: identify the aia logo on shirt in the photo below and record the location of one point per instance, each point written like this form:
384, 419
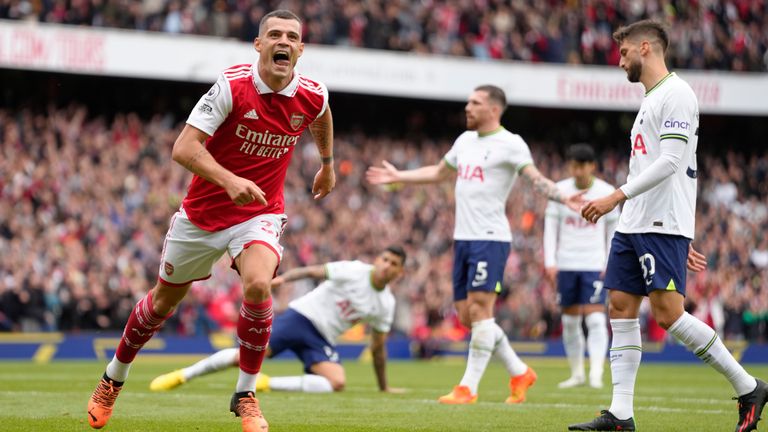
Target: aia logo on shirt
468, 172
297, 119
639, 145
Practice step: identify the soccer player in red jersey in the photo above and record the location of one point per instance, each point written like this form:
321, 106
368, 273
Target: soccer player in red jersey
238, 142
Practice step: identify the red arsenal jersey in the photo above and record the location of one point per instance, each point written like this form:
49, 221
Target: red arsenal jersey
253, 132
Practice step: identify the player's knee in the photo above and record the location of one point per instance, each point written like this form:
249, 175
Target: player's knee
477, 312
665, 320
256, 289
164, 302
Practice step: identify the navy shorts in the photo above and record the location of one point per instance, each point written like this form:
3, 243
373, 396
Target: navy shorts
478, 265
641, 263
293, 331
579, 288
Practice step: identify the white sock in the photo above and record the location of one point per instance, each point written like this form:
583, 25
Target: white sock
481, 346
703, 341
306, 383
118, 370
506, 354
217, 361
626, 352
597, 343
573, 341
245, 382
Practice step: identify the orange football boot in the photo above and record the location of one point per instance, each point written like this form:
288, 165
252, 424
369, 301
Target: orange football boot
102, 401
245, 406
519, 385
460, 395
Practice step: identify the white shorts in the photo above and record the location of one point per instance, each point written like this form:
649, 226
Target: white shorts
190, 252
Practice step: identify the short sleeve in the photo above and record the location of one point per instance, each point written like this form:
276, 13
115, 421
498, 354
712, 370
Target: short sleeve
343, 271
325, 99
679, 114
213, 108
452, 157
520, 156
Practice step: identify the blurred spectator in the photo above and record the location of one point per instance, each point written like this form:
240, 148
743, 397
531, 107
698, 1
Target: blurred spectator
713, 34
84, 204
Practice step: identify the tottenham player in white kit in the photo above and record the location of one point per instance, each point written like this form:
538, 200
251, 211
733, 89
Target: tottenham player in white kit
652, 242
352, 292
486, 160
575, 252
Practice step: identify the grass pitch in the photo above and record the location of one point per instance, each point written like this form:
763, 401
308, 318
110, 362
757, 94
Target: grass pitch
52, 397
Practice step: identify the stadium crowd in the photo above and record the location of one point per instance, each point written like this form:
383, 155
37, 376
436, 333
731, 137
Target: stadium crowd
709, 34
84, 203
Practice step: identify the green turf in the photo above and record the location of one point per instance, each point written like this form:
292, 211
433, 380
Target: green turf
52, 397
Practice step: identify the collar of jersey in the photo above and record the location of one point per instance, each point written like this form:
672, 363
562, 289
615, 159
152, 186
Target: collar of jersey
493, 132
591, 183
263, 88
658, 84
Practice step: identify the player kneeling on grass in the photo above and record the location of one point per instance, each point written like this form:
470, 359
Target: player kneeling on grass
353, 291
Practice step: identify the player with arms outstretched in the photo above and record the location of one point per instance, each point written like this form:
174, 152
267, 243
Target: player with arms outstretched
352, 292
486, 160
652, 245
238, 141
575, 252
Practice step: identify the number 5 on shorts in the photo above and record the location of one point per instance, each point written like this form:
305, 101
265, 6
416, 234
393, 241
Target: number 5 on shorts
481, 274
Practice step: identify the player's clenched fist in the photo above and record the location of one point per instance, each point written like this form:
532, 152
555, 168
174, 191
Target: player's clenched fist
325, 181
243, 191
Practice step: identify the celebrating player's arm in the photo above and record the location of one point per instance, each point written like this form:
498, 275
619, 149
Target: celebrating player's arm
387, 174
549, 189
322, 132
190, 151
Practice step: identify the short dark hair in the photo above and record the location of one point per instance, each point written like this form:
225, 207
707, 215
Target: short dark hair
280, 13
646, 28
580, 153
397, 250
495, 94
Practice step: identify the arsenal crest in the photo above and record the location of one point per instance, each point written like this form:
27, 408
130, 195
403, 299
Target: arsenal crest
297, 119
168, 268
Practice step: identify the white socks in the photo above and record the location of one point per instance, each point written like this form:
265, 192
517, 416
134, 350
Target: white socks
506, 354
481, 346
217, 361
305, 383
118, 370
626, 351
488, 338
597, 346
573, 341
703, 341
245, 382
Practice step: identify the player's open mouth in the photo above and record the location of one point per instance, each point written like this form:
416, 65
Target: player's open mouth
281, 58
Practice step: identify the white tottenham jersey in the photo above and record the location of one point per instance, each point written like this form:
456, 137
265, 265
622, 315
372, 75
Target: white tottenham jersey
345, 298
669, 111
486, 167
579, 245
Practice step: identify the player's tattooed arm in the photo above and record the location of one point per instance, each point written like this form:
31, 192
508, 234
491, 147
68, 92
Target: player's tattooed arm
322, 132
190, 152
191, 162
541, 184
